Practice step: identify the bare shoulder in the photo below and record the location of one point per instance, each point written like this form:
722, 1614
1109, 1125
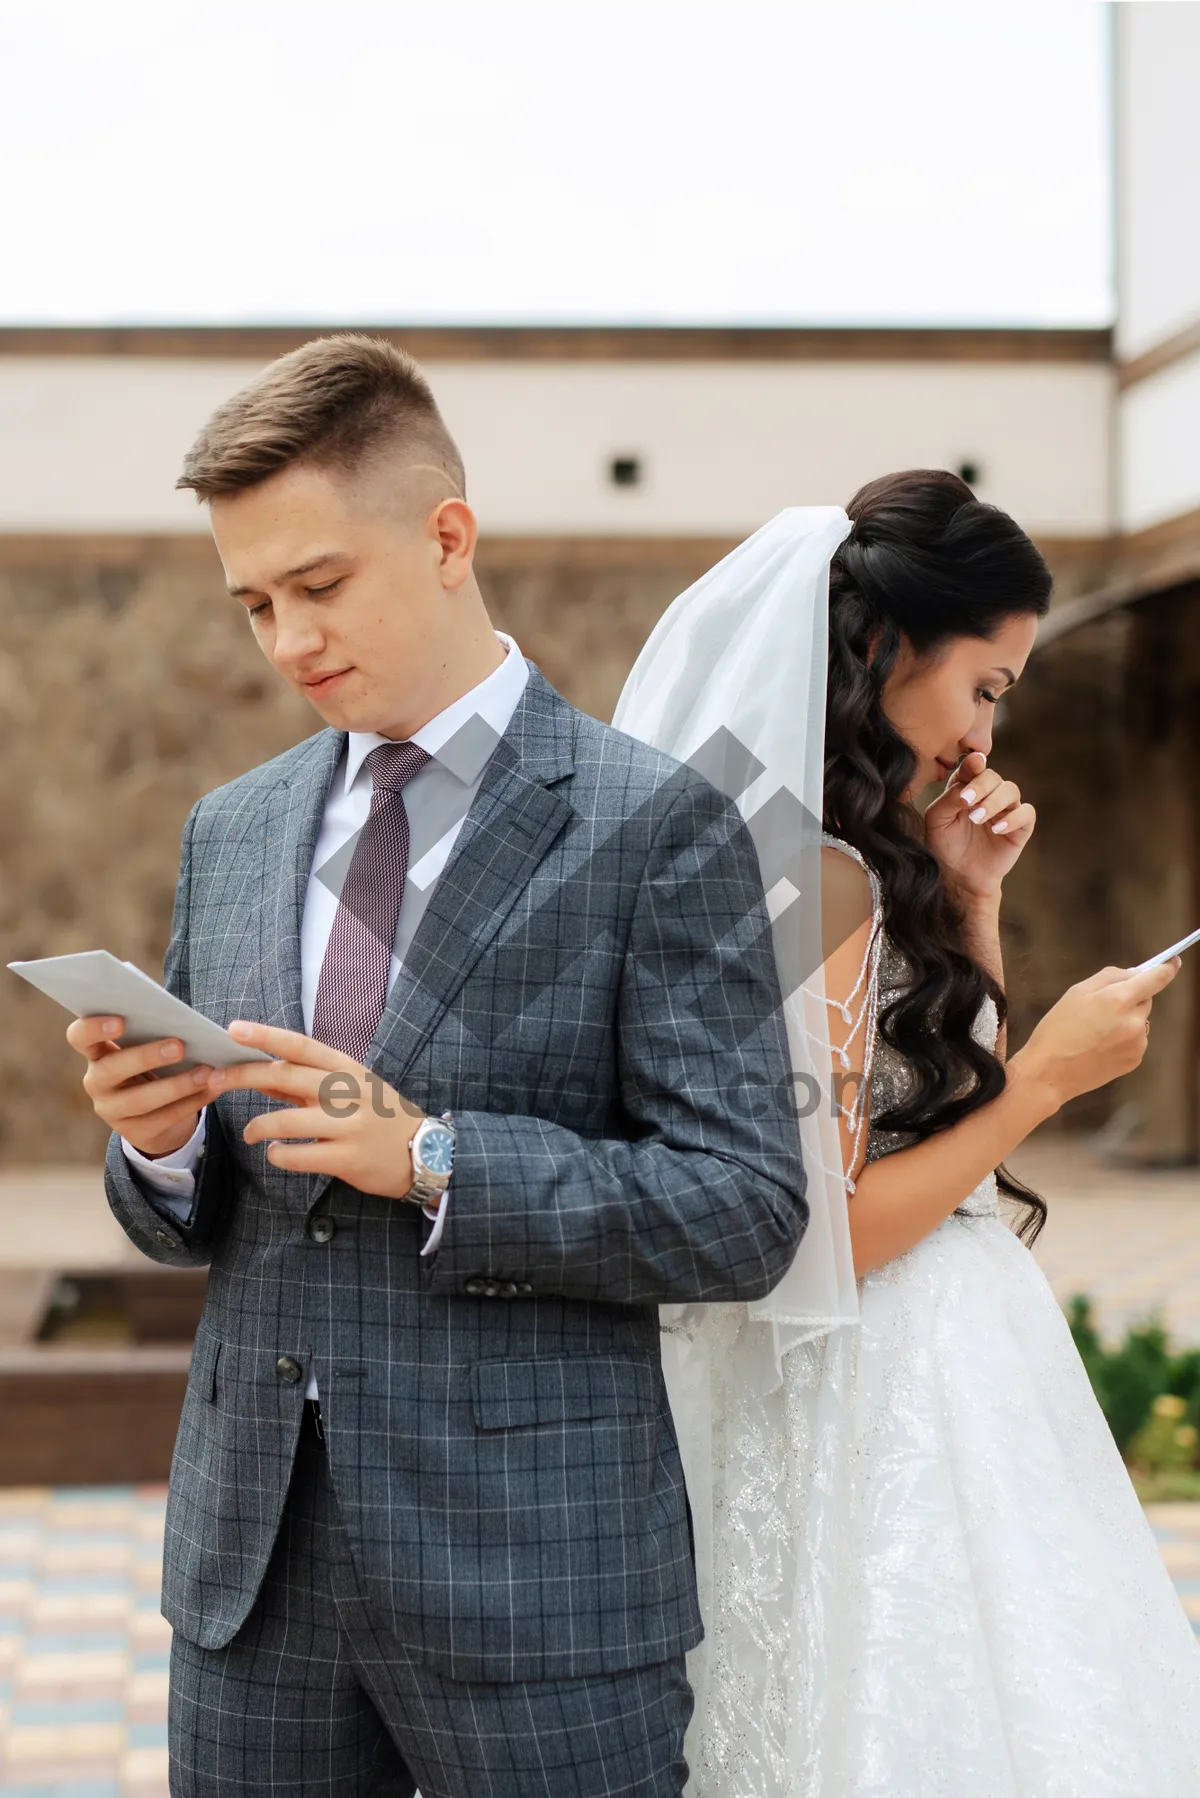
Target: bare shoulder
842, 867
848, 901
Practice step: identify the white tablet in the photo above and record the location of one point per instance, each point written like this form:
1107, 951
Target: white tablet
95, 984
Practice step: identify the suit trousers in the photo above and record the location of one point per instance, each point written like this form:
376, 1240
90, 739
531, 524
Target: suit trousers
312, 1698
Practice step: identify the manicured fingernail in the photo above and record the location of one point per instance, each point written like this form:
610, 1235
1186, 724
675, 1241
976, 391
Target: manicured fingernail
199, 1076
969, 794
111, 1023
216, 1077
169, 1051
1000, 827
976, 816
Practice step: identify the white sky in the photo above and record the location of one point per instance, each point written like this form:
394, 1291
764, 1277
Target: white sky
506, 161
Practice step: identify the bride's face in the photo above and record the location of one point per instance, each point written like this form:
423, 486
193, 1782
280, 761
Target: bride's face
944, 704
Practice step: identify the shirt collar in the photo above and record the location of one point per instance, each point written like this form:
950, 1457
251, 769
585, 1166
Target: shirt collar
462, 737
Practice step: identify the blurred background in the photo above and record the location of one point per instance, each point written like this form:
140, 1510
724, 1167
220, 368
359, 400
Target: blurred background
668, 269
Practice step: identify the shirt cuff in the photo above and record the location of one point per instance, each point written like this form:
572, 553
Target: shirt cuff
172, 1177
439, 1223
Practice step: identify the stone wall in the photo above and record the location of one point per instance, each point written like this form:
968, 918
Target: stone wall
130, 685
126, 689
1099, 735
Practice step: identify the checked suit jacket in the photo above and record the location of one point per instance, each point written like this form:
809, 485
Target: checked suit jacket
592, 992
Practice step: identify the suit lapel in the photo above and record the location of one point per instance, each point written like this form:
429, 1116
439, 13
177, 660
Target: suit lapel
294, 813
514, 819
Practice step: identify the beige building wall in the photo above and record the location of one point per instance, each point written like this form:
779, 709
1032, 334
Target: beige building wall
93, 443
1158, 172
1159, 444
1158, 262
1105, 718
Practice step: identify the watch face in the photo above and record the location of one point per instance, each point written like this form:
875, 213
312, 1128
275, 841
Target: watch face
436, 1150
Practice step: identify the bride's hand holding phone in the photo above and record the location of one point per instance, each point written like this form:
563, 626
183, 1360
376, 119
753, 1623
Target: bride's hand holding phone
1098, 1031
977, 827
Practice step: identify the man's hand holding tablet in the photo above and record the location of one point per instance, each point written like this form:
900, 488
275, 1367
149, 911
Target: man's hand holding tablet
156, 1112
150, 1086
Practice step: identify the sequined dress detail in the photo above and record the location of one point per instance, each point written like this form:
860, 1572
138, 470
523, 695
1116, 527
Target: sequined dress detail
932, 1578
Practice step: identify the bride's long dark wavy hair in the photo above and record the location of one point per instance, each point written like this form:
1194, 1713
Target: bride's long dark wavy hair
928, 563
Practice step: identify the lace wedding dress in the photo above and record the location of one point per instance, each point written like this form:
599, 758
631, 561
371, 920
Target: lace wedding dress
931, 1576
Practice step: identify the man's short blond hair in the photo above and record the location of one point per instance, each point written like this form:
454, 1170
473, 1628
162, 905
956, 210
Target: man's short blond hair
336, 402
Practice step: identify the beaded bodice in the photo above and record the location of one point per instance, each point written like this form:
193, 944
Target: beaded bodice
889, 1075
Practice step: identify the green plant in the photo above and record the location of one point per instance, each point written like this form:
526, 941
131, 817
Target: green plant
1185, 1382
1150, 1397
1166, 1442
1167, 1488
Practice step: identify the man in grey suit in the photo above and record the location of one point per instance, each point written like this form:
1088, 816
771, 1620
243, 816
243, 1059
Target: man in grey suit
427, 1521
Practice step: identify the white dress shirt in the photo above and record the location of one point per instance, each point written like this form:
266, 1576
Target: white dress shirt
460, 742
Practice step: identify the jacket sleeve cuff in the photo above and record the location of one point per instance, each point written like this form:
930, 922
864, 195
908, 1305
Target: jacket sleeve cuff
171, 1178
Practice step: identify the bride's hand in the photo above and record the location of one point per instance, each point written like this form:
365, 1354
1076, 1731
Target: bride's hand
977, 827
1098, 1030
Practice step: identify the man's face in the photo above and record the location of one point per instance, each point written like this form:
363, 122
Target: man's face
349, 583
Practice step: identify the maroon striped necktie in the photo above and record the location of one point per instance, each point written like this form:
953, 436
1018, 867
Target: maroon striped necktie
353, 982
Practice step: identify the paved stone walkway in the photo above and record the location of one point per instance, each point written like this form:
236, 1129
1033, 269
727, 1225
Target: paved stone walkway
83, 1649
1178, 1530
1127, 1237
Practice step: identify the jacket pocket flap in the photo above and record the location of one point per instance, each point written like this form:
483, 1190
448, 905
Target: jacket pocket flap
509, 1394
202, 1373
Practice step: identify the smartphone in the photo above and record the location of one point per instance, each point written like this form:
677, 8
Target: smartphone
1156, 961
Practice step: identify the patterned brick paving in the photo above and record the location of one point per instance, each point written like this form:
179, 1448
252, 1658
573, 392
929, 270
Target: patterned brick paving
83, 1649
1178, 1530
1127, 1237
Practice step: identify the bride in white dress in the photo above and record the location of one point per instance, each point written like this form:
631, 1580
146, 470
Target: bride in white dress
924, 1570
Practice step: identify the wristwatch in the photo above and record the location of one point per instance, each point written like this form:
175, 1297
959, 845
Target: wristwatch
432, 1149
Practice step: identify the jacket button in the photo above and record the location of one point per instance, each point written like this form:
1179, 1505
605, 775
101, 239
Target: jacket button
321, 1228
288, 1369
524, 1290
165, 1237
492, 1288
474, 1289
508, 1290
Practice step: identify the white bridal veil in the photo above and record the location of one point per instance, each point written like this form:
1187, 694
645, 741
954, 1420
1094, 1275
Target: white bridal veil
732, 680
